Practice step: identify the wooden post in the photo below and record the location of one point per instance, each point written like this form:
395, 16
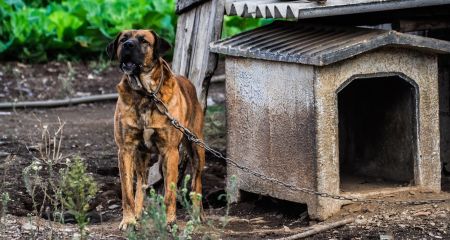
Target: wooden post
199, 23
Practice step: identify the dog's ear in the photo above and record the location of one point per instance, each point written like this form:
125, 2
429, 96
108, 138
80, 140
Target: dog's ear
161, 46
111, 49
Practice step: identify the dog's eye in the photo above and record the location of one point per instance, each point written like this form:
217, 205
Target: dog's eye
143, 40
123, 39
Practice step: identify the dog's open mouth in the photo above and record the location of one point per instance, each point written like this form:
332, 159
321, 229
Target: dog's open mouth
128, 67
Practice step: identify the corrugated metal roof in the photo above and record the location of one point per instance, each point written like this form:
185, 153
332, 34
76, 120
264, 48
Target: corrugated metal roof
306, 9
318, 45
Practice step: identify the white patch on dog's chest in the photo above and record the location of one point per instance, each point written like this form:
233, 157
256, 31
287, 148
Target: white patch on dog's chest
153, 119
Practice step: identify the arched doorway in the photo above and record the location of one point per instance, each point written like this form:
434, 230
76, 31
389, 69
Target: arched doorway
377, 133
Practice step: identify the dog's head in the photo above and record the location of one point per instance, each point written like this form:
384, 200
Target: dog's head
137, 50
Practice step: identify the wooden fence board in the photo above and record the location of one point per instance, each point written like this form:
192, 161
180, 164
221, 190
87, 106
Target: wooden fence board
196, 28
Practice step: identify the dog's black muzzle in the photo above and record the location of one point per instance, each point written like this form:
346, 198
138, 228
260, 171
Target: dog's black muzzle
131, 57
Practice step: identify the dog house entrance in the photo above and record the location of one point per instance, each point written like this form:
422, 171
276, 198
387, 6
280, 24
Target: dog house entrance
377, 133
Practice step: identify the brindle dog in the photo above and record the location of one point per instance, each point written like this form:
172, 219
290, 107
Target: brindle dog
140, 128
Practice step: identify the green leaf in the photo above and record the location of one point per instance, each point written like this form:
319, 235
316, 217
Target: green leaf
36, 29
65, 23
5, 46
17, 4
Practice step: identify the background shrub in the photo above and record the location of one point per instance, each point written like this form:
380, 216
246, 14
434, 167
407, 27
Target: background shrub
233, 25
42, 30
32, 30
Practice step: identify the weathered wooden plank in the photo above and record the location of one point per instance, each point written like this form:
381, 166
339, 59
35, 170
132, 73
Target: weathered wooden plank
184, 5
183, 43
196, 28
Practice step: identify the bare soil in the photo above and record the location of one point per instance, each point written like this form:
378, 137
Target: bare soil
89, 133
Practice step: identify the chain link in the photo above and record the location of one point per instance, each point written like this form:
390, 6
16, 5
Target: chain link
193, 138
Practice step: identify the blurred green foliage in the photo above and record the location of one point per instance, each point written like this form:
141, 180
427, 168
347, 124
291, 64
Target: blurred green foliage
233, 25
39, 30
42, 30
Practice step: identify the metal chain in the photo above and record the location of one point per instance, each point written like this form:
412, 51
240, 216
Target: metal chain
193, 138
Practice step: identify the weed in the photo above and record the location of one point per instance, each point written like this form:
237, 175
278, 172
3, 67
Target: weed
229, 196
33, 230
193, 210
6, 164
78, 189
39, 177
215, 127
153, 221
5, 200
67, 188
67, 80
100, 66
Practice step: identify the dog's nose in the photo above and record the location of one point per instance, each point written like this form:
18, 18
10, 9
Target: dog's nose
128, 44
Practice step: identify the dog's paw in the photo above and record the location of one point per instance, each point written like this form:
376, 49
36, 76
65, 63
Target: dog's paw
127, 222
170, 226
171, 218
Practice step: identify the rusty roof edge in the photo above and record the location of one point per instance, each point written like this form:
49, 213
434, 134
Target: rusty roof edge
373, 39
366, 7
308, 10
355, 49
425, 43
390, 38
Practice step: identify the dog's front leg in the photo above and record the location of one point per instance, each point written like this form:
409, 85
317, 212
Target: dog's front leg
127, 157
141, 176
170, 169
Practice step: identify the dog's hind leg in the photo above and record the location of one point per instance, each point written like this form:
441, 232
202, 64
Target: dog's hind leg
198, 164
170, 170
185, 160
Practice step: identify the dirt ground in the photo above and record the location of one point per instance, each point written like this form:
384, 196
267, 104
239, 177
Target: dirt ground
88, 133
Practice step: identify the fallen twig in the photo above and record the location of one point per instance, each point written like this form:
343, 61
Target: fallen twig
319, 228
258, 232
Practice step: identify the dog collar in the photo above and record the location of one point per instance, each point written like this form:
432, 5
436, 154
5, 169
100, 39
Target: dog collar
144, 91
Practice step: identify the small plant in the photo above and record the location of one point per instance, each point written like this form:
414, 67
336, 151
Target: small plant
192, 209
5, 195
100, 65
40, 177
5, 200
229, 196
215, 127
78, 189
52, 179
153, 221
67, 80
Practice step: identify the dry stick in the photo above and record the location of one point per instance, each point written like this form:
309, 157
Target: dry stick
263, 231
319, 228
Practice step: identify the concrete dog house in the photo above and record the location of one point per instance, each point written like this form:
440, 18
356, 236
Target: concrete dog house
346, 111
